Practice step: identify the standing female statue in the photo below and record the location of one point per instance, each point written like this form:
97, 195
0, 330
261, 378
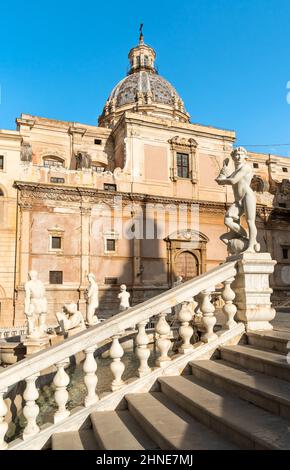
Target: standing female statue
92, 297
35, 306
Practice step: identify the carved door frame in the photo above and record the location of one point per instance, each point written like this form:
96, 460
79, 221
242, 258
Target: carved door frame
181, 241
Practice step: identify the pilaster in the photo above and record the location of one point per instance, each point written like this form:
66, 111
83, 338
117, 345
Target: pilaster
24, 239
253, 292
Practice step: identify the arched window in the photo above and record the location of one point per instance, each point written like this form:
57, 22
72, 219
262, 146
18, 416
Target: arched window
1, 193
53, 161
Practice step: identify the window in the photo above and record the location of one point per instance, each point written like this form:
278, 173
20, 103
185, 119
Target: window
255, 165
98, 169
110, 244
55, 277
110, 241
111, 280
282, 204
110, 187
1, 193
53, 179
98, 142
1, 162
146, 60
182, 160
53, 161
284, 169
56, 243
285, 252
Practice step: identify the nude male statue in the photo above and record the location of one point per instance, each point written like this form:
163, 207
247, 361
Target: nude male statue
35, 305
245, 203
92, 297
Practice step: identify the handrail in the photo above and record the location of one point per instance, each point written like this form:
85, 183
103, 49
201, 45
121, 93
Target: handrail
115, 325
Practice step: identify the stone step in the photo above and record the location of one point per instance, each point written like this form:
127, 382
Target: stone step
254, 387
118, 430
274, 340
266, 362
170, 426
248, 426
74, 440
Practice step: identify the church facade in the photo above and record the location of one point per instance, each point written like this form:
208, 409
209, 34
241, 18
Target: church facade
132, 200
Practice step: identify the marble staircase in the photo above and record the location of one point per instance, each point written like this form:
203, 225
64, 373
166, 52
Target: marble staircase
216, 383
237, 399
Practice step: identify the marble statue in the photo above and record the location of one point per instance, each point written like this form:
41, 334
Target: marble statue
83, 160
238, 240
70, 317
35, 306
124, 297
179, 280
92, 297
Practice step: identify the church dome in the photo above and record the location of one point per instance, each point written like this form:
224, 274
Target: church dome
143, 91
146, 83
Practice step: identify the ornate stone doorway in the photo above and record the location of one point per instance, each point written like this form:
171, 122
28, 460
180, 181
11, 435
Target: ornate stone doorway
186, 254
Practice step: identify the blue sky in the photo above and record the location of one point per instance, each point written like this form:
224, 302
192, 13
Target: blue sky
228, 59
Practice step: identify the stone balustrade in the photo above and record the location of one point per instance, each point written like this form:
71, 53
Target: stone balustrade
194, 297
11, 331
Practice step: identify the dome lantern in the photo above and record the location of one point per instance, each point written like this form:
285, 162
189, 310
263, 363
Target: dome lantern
142, 57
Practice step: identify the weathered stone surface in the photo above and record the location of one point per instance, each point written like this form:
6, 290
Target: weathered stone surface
253, 292
117, 431
254, 387
267, 362
74, 440
248, 426
170, 427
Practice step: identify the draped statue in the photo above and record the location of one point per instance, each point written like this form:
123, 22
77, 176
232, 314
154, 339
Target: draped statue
83, 160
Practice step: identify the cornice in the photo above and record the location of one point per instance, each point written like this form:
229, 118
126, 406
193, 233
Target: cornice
187, 128
10, 135
38, 192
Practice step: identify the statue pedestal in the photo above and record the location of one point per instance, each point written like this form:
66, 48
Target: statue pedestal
253, 291
11, 351
33, 345
59, 337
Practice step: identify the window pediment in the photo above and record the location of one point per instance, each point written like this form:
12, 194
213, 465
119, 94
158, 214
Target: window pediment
188, 235
181, 143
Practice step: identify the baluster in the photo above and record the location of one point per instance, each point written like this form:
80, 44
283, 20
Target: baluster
142, 352
90, 378
117, 366
31, 409
61, 381
209, 320
185, 330
198, 321
3, 423
229, 309
163, 342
